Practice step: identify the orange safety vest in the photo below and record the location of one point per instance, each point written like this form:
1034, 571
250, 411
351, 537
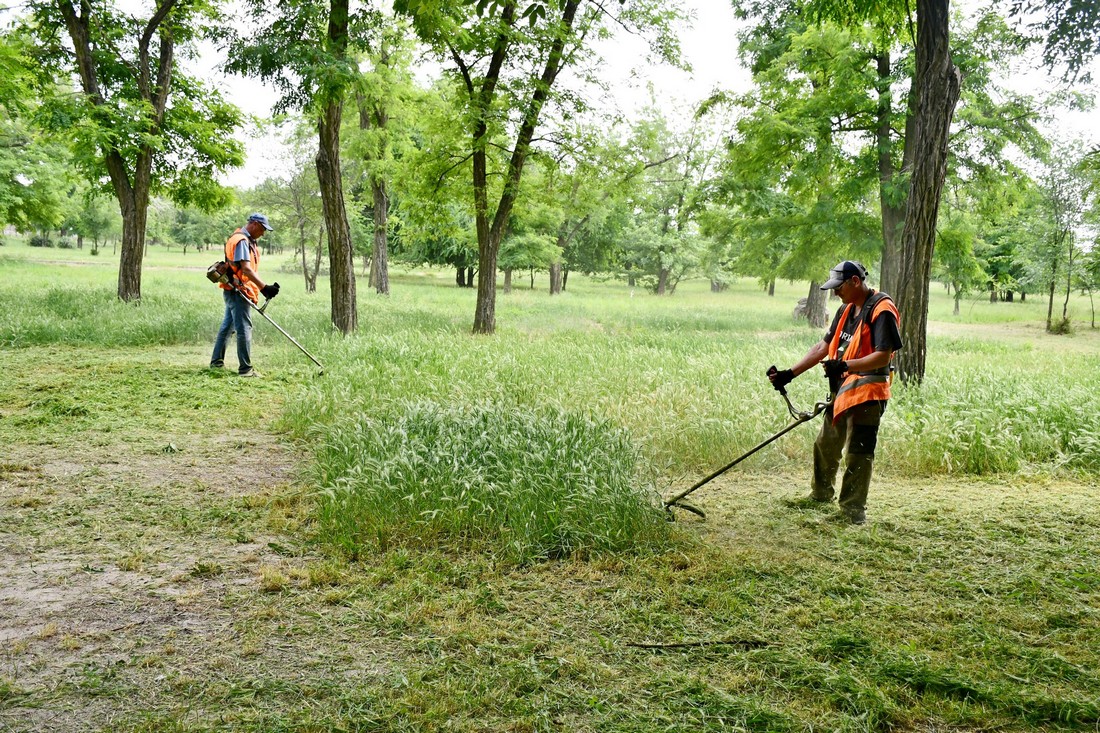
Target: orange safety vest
860, 387
246, 286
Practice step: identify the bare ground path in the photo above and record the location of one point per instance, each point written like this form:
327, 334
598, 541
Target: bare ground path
110, 554
139, 539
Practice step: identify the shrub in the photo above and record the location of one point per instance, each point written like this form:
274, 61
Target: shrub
65, 243
41, 240
1062, 327
527, 484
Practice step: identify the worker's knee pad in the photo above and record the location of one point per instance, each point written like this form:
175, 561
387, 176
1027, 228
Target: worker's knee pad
864, 439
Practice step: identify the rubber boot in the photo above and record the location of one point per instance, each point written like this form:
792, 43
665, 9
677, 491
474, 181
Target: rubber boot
855, 485
827, 451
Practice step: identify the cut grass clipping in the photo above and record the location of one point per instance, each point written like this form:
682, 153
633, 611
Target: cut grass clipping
521, 484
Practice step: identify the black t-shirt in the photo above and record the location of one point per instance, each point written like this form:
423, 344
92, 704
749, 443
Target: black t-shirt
885, 335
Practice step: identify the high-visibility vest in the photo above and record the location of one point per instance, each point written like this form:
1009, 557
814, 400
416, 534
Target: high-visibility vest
246, 286
860, 387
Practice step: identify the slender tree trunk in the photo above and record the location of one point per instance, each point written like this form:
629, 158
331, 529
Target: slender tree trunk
1069, 275
771, 288
892, 191
507, 280
564, 278
958, 297
378, 118
937, 84
555, 278
340, 251
532, 278
380, 262
134, 215
1050, 306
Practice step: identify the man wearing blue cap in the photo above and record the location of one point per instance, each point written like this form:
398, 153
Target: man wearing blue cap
244, 286
856, 353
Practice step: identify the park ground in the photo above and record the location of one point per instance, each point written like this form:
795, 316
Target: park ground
159, 571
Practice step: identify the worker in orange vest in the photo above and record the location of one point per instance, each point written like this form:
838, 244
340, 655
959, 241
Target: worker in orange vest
855, 353
243, 255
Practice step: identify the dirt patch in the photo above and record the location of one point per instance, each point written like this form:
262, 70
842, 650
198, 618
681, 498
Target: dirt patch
119, 566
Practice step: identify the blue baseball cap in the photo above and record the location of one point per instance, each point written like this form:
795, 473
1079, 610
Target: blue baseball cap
843, 271
262, 220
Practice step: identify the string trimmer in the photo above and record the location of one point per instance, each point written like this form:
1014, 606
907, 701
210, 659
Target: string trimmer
799, 416
221, 273
261, 309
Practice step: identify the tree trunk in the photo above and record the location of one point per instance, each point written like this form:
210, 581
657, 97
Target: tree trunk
564, 279
937, 83
771, 288
380, 269
377, 117
817, 305
555, 278
1050, 306
507, 280
134, 213
340, 252
891, 199
662, 281
1069, 276
958, 297
532, 278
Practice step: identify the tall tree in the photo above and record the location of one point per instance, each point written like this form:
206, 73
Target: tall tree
151, 127
383, 96
507, 55
797, 168
307, 50
936, 87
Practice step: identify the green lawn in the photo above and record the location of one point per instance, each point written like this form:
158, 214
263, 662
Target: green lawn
172, 557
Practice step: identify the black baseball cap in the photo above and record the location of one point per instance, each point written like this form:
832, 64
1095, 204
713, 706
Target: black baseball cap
843, 271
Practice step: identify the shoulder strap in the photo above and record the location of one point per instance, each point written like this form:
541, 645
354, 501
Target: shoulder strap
870, 305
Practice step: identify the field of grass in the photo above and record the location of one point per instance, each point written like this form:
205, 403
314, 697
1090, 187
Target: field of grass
448, 532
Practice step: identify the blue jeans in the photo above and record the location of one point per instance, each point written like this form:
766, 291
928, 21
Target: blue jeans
238, 317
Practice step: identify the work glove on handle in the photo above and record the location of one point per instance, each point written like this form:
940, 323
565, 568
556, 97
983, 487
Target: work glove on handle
270, 290
835, 368
780, 379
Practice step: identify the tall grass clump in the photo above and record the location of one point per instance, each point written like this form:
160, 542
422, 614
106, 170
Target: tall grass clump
521, 484
1028, 410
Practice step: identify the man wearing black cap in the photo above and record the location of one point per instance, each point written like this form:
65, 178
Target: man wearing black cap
243, 255
855, 353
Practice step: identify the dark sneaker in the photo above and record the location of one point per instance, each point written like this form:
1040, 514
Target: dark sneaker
251, 374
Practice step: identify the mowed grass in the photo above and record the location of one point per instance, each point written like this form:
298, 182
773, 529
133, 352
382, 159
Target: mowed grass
968, 603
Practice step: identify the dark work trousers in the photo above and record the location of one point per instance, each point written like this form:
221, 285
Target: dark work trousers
858, 429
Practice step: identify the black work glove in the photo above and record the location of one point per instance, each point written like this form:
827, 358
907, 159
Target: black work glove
835, 368
780, 379
270, 290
